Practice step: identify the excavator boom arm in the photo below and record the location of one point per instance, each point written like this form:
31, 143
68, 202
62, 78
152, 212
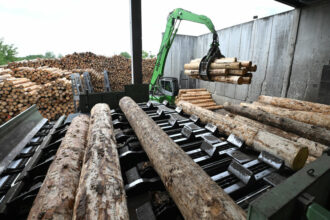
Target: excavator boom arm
168, 37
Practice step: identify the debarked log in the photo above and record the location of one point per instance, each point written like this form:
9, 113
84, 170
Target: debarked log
193, 191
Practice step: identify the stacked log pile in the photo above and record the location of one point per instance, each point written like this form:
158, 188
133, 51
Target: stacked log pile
16, 94
118, 67
227, 70
41, 75
50, 85
53, 98
199, 97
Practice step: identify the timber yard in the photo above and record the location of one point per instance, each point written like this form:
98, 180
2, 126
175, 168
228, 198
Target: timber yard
230, 124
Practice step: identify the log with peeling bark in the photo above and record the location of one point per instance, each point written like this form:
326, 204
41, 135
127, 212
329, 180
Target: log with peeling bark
232, 66
314, 118
315, 149
292, 153
312, 132
101, 193
193, 191
226, 79
56, 196
217, 72
294, 104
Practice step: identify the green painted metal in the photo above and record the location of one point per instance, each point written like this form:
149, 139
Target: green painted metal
168, 37
317, 212
282, 201
160, 99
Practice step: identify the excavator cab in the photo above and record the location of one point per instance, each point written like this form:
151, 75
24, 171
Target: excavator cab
166, 89
169, 86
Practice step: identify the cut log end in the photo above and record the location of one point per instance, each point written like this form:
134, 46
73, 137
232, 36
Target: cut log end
300, 159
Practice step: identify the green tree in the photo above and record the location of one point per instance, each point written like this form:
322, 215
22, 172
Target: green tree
7, 52
125, 54
59, 55
145, 54
151, 55
50, 54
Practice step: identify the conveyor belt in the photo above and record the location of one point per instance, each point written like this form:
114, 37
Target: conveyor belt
242, 173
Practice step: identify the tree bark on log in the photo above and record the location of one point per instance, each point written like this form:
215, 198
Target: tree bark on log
314, 118
181, 91
294, 104
193, 191
315, 133
197, 97
293, 154
225, 79
225, 60
232, 66
315, 149
101, 193
216, 72
57, 194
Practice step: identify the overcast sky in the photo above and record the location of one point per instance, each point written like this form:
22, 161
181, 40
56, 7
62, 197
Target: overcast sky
102, 26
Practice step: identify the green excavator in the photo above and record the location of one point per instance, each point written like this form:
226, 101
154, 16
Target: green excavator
166, 88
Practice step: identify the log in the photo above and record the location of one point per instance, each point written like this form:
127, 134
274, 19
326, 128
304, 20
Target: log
240, 72
294, 104
228, 79
246, 63
101, 193
315, 149
196, 97
293, 154
315, 133
314, 118
201, 101
232, 66
246, 80
225, 79
190, 94
193, 191
214, 107
56, 196
191, 90
225, 60
216, 72
253, 68
207, 104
